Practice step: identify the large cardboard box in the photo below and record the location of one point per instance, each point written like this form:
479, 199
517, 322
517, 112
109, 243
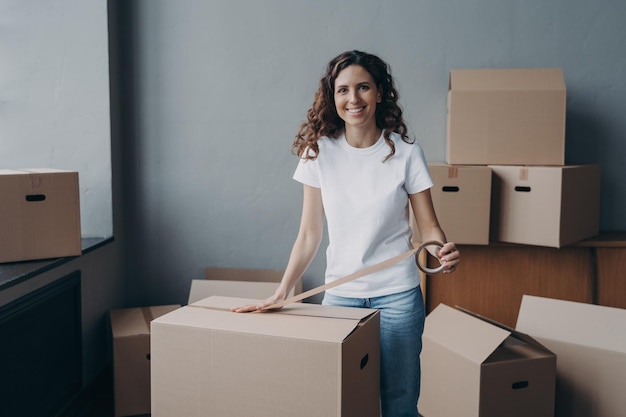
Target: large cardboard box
590, 344
39, 214
545, 206
203, 288
506, 116
472, 366
130, 329
248, 274
304, 360
462, 200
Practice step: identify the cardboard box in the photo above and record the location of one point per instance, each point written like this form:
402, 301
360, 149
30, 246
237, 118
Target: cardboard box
304, 360
130, 329
462, 200
545, 206
506, 117
472, 366
590, 344
203, 288
39, 214
252, 275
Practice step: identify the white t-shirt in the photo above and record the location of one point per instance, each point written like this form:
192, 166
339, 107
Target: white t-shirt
367, 210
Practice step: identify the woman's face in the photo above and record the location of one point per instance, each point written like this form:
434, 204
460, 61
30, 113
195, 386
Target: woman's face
356, 97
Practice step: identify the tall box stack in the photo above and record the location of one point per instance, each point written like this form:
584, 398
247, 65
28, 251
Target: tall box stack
39, 214
513, 121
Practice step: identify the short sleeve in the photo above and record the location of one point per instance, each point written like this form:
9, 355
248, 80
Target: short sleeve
307, 173
417, 176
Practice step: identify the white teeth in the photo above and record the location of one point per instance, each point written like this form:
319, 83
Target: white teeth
356, 110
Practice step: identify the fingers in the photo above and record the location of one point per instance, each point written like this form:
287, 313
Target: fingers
449, 257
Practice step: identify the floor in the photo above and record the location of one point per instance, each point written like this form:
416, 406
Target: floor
95, 401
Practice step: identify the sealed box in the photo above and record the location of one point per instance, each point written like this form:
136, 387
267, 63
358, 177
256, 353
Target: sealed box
39, 214
462, 200
472, 366
590, 344
203, 288
506, 117
249, 275
545, 206
303, 360
130, 329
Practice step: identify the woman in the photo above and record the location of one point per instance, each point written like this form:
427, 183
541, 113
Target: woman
359, 169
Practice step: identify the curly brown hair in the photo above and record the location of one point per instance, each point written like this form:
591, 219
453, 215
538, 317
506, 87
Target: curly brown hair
322, 117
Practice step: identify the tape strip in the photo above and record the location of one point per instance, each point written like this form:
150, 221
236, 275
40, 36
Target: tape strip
365, 271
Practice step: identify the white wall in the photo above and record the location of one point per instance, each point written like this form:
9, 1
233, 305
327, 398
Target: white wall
220, 87
54, 97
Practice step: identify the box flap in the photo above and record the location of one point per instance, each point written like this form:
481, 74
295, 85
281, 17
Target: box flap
299, 320
127, 322
202, 288
468, 336
531, 79
572, 322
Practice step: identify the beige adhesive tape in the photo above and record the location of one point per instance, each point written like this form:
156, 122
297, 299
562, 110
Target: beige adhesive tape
365, 271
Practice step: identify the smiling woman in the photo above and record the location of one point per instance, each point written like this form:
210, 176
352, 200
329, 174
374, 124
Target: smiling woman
55, 97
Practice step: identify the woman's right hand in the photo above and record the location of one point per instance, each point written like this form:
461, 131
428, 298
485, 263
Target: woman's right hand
262, 305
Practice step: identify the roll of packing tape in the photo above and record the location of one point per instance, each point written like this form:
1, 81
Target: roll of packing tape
423, 268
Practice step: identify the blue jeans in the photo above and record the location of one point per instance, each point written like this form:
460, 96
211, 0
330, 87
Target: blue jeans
401, 326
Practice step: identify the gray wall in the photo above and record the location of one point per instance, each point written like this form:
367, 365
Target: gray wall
217, 89
54, 97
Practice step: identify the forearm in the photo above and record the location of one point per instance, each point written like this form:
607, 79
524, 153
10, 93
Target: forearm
302, 254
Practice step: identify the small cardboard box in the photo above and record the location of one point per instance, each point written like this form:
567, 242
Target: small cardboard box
590, 344
130, 329
252, 275
545, 206
462, 200
472, 366
203, 288
506, 117
39, 214
304, 360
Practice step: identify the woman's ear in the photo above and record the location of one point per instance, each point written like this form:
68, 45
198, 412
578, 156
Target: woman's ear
379, 96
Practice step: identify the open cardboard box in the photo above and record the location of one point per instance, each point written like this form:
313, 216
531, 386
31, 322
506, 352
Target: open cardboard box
203, 288
473, 366
304, 360
249, 275
590, 344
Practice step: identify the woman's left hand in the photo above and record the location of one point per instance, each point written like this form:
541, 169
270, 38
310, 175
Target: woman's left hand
449, 257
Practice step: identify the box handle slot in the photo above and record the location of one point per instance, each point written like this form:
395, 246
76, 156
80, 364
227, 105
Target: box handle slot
365, 359
520, 385
450, 189
522, 189
147, 356
35, 197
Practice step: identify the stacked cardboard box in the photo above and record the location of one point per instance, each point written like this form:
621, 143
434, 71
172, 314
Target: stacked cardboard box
39, 214
513, 121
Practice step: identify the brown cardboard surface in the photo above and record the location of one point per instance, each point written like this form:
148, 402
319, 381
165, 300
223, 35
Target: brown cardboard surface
506, 116
462, 200
248, 274
203, 288
545, 206
207, 360
39, 214
130, 329
472, 366
590, 344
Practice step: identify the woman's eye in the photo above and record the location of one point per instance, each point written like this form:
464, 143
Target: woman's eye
341, 90
364, 87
